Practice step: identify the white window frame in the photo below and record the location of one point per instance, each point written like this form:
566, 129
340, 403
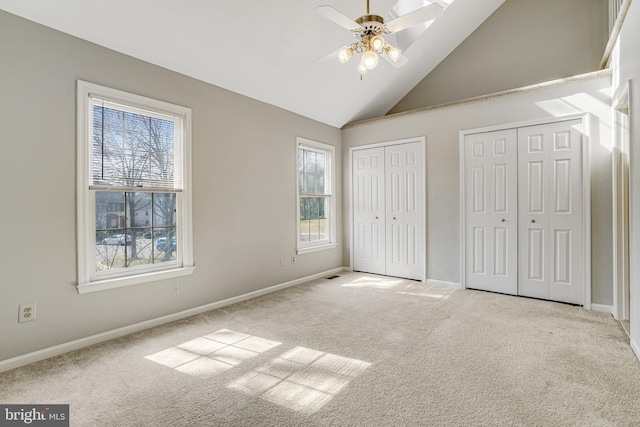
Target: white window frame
88, 279
330, 243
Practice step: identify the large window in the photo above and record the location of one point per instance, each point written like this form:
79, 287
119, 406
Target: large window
133, 189
316, 204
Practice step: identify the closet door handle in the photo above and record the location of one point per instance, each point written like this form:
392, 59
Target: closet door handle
377, 218
504, 220
533, 221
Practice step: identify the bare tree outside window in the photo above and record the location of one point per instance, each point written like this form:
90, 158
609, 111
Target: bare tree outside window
133, 151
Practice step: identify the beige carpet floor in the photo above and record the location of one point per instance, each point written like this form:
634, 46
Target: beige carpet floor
358, 350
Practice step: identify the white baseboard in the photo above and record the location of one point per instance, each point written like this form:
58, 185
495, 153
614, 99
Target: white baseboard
443, 283
603, 308
46, 353
636, 349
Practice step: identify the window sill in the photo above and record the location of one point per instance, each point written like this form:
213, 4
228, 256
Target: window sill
103, 285
318, 248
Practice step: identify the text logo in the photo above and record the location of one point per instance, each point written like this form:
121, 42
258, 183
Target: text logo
34, 415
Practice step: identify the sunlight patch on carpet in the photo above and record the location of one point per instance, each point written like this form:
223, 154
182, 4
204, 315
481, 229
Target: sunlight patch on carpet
400, 286
373, 282
213, 353
428, 292
301, 379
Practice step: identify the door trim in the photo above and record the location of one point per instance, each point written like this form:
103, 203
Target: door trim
589, 129
418, 139
621, 231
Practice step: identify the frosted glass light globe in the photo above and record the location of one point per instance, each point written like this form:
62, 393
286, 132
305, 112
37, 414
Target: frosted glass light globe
394, 54
377, 43
345, 54
370, 59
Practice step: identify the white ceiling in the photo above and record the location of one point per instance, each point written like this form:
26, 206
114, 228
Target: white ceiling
267, 50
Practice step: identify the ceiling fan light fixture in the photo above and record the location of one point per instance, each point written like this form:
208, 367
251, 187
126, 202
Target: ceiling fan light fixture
377, 43
345, 54
369, 59
393, 53
369, 30
361, 68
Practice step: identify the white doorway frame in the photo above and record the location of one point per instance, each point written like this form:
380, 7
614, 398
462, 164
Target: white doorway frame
621, 199
422, 141
588, 131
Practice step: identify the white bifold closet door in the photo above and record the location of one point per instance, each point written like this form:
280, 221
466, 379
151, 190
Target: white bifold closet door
388, 189
491, 203
524, 211
369, 211
551, 239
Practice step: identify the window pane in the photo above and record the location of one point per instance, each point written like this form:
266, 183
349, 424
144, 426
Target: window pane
111, 250
132, 149
109, 210
311, 171
312, 230
165, 244
133, 229
138, 215
301, 181
313, 221
319, 173
312, 207
139, 209
164, 209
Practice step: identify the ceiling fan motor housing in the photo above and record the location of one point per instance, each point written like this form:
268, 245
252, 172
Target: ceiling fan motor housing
372, 25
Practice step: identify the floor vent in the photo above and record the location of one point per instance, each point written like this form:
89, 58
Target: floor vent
332, 277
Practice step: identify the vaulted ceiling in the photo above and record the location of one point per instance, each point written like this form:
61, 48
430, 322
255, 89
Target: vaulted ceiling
270, 50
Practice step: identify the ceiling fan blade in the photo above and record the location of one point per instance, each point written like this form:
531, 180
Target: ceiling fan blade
337, 17
424, 14
333, 56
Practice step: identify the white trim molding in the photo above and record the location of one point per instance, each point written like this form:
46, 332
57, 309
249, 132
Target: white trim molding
46, 353
621, 197
636, 349
602, 308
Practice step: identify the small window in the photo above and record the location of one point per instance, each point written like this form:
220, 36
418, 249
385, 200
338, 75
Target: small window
133, 189
316, 204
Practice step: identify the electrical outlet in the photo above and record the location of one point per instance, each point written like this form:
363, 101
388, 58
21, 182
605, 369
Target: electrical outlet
293, 260
27, 312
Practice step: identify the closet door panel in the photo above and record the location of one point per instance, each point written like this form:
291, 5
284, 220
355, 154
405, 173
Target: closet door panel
369, 210
388, 213
533, 221
491, 211
405, 190
550, 212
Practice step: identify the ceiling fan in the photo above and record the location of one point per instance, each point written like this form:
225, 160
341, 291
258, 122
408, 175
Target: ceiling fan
369, 30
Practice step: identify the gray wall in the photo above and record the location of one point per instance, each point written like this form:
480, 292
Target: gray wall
524, 42
244, 171
441, 127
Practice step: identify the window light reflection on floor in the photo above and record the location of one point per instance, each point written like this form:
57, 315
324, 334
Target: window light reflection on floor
400, 286
426, 291
301, 379
373, 282
212, 354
